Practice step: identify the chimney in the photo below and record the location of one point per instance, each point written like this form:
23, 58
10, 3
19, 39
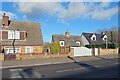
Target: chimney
67, 33
5, 20
102, 33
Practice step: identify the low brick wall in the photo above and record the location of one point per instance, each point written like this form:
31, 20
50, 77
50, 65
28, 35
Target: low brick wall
23, 56
108, 51
1, 56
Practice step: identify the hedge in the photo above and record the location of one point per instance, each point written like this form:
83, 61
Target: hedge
109, 45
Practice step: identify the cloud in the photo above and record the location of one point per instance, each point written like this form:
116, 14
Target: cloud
36, 10
104, 14
11, 15
74, 10
93, 11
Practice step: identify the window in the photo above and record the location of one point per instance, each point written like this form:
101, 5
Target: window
17, 35
10, 34
11, 50
13, 34
104, 38
29, 49
61, 43
93, 38
78, 43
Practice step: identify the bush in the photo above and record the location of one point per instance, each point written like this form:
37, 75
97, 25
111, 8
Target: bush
109, 45
42, 48
55, 47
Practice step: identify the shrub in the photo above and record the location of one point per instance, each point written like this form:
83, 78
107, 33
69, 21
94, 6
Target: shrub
55, 47
42, 48
109, 45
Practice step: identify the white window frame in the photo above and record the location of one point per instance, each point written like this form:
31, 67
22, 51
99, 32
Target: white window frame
11, 48
78, 42
10, 34
93, 37
13, 34
31, 49
17, 34
104, 37
62, 42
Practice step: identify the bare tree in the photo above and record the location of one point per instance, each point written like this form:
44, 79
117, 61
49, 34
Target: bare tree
112, 33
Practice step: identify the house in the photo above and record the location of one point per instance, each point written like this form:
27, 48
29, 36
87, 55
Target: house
67, 40
20, 36
94, 38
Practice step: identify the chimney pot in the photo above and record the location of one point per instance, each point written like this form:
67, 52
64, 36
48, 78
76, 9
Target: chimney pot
67, 33
5, 20
4, 14
102, 33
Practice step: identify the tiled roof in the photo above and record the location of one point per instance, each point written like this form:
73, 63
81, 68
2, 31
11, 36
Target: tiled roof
33, 29
69, 40
98, 38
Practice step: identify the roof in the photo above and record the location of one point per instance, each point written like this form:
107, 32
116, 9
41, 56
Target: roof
98, 38
69, 40
33, 29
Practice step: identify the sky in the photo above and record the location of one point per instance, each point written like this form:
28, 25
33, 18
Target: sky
57, 17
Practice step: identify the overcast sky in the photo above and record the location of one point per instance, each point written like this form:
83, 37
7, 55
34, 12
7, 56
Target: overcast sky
57, 17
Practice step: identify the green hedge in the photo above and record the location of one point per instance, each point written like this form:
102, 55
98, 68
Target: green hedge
110, 46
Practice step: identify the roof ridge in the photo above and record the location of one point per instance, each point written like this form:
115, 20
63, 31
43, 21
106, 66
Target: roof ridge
65, 35
90, 33
24, 21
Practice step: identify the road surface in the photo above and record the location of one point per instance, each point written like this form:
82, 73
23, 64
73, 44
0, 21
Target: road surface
102, 68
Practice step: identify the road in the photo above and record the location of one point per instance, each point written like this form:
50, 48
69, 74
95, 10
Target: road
102, 68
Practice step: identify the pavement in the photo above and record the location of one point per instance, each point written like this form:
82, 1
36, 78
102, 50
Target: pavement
36, 62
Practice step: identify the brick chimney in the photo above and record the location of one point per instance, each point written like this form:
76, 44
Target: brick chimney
67, 33
5, 20
102, 33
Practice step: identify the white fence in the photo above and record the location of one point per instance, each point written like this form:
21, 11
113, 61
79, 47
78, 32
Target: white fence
83, 51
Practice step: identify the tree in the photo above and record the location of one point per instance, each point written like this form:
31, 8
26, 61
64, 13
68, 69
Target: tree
55, 47
46, 46
112, 33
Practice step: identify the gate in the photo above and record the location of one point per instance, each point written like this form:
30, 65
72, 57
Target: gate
83, 51
10, 56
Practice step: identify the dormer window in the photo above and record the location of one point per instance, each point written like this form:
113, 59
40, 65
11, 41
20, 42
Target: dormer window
78, 43
61, 43
104, 38
13, 34
93, 37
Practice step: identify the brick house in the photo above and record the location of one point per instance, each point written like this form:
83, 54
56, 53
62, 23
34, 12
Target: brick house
94, 38
20, 36
67, 40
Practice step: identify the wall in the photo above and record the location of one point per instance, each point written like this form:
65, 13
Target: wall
1, 56
22, 56
107, 51
36, 49
84, 40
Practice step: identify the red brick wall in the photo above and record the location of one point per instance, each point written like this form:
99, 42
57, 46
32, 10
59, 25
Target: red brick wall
1, 56
23, 56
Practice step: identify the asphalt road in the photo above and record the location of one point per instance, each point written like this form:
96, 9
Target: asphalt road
104, 68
